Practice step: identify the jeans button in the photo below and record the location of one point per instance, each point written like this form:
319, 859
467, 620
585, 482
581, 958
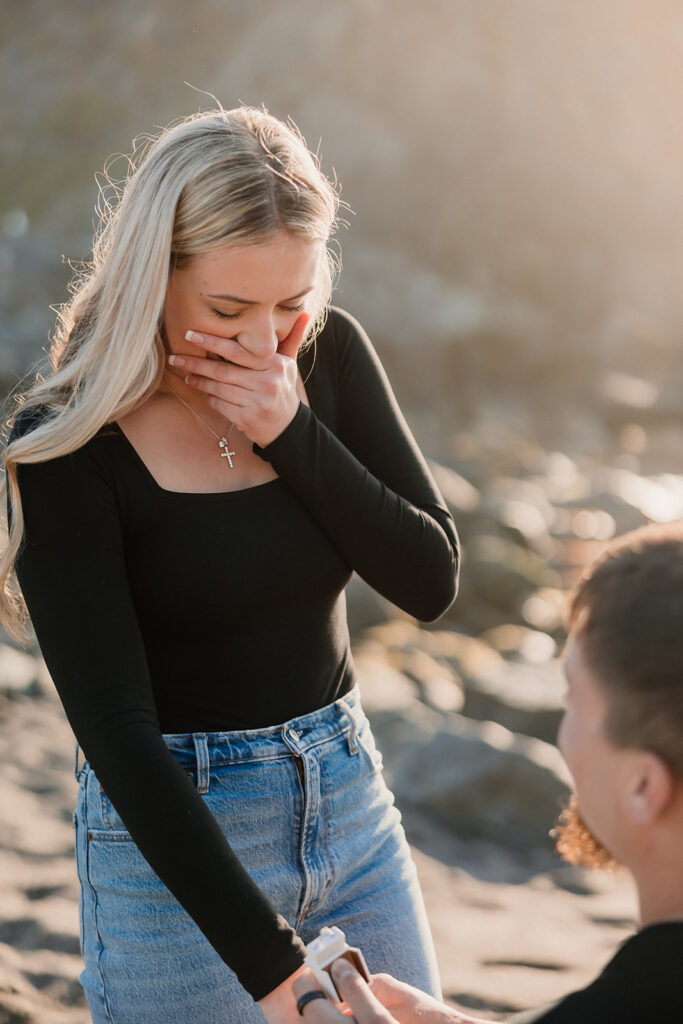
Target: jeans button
294, 734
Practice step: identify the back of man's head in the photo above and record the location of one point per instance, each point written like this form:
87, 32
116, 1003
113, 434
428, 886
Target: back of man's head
628, 612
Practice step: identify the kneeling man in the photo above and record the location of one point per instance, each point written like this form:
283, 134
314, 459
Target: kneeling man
622, 738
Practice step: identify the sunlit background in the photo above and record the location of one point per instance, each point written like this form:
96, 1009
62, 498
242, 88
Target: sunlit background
515, 251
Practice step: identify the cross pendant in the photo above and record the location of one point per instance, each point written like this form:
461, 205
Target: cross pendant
226, 453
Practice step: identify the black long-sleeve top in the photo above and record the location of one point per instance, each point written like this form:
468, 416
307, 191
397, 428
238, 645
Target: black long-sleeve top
164, 612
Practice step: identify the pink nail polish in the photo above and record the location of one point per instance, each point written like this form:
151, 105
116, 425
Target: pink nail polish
194, 336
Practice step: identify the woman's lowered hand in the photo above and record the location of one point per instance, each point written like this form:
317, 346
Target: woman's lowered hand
279, 1006
355, 992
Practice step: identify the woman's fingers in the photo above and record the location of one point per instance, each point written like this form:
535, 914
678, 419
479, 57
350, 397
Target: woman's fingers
317, 1011
258, 395
230, 394
291, 344
212, 369
228, 349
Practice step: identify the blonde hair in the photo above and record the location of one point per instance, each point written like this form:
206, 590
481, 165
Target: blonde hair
210, 180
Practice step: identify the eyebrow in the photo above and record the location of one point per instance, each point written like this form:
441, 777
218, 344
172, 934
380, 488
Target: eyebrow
253, 302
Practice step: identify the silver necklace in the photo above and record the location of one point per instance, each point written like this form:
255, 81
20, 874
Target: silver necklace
222, 439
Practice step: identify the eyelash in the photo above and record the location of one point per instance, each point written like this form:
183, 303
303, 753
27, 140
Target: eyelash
234, 316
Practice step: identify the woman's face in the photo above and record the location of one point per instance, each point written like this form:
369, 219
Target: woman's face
252, 293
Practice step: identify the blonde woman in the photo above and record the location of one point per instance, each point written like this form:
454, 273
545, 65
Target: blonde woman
189, 491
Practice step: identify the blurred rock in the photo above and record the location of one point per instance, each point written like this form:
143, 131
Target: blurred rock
454, 672
466, 655
592, 524
516, 641
396, 633
19, 673
523, 508
659, 499
546, 609
525, 698
605, 497
458, 492
504, 574
479, 779
560, 478
665, 443
396, 676
382, 686
437, 684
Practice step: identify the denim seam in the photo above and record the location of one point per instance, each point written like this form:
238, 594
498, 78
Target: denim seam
105, 809
330, 867
81, 897
100, 944
303, 840
322, 834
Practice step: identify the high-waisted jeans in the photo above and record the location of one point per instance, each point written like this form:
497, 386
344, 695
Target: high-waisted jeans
305, 808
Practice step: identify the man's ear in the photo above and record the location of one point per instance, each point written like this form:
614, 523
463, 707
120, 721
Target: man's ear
650, 787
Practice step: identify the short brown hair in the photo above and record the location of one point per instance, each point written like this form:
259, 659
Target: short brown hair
628, 612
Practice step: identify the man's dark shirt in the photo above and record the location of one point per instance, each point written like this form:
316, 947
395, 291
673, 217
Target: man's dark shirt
642, 983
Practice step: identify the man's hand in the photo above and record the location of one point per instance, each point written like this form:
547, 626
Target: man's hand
384, 1001
410, 1006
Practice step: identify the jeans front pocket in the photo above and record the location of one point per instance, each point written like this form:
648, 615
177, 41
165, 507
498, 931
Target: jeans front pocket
100, 817
111, 819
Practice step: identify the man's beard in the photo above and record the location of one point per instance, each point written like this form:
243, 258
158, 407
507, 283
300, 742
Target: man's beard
575, 842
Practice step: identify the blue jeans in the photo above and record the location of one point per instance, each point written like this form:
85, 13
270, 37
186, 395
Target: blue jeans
305, 808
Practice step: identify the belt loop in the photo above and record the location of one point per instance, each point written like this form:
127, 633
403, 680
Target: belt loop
76, 769
352, 738
201, 749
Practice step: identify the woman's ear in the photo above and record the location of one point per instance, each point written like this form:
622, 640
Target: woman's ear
650, 787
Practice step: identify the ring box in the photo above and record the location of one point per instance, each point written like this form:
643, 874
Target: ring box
322, 952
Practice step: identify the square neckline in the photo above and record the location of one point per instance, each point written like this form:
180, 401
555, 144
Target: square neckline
307, 357
182, 494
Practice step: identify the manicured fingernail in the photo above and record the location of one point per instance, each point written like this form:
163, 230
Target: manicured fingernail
190, 380
193, 336
176, 360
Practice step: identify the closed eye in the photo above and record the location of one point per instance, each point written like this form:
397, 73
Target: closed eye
224, 316
233, 316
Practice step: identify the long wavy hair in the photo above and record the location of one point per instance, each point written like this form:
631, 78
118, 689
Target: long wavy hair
207, 181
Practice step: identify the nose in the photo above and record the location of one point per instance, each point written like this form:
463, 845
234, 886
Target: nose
261, 340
